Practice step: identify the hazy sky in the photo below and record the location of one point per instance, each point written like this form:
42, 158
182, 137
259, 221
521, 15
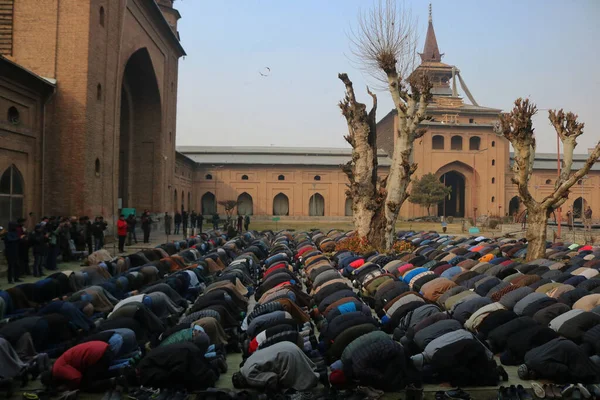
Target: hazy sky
544, 49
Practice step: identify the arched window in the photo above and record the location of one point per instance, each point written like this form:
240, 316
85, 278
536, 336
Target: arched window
348, 207
493, 199
101, 16
474, 142
244, 177
493, 162
493, 143
12, 190
281, 205
99, 92
548, 181
208, 204
245, 205
281, 178
208, 177
97, 167
316, 205
175, 199
493, 180
13, 116
580, 182
456, 143
182, 200
437, 142
317, 177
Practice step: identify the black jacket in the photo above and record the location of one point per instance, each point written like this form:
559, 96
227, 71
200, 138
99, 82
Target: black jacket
39, 242
98, 228
177, 365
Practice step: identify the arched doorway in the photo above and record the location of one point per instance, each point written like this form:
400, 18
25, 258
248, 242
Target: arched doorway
578, 207
12, 190
209, 204
175, 204
348, 207
281, 205
316, 205
182, 200
140, 144
245, 205
454, 204
513, 206
189, 203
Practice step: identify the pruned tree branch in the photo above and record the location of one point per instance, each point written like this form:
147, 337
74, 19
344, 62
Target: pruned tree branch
517, 127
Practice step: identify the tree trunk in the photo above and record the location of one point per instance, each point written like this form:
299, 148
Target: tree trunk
366, 192
398, 180
537, 221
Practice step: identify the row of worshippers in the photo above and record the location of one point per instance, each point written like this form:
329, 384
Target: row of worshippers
139, 319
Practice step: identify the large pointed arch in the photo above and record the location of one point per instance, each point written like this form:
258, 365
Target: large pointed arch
463, 179
209, 204
12, 192
579, 205
245, 204
140, 152
281, 205
316, 205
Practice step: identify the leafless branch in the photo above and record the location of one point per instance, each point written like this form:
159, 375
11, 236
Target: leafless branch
385, 37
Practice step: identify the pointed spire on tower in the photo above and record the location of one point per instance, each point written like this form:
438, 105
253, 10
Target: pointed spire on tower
431, 52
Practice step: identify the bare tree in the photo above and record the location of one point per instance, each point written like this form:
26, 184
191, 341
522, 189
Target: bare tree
517, 127
385, 45
229, 206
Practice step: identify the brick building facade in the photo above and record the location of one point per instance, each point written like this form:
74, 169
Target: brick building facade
459, 147
110, 126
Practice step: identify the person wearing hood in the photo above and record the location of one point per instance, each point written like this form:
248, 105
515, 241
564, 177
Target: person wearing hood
11, 252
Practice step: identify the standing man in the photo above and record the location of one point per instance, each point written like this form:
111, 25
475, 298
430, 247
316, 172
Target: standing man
587, 222
200, 222
168, 219
39, 242
122, 232
146, 225
215, 221
240, 219
246, 222
184, 221
86, 226
23, 247
98, 228
131, 222
11, 252
177, 222
570, 220
193, 220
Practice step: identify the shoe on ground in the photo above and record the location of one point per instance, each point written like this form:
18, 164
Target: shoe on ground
502, 393
568, 390
457, 394
549, 391
584, 392
594, 390
556, 392
523, 394
538, 390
